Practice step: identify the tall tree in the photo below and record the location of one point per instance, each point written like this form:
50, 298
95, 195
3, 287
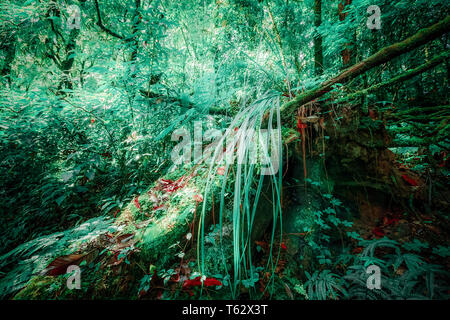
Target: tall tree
62, 44
8, 46
346, 52
318, 49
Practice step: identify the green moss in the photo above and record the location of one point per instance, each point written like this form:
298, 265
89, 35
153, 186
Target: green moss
40, 288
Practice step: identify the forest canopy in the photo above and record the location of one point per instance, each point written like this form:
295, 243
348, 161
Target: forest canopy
227, 149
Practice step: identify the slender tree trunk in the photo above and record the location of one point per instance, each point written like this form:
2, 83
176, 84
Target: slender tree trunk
63, 63
102, 26
9, 58
137, 17
280, 44
318, 50
66, 65
345, 53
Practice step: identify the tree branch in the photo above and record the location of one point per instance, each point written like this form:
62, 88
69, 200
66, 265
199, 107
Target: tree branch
404, 76
100, 23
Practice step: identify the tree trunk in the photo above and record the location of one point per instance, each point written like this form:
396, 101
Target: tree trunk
404, 76
10, 52
345, 53
137, 17
318, 50
66, 65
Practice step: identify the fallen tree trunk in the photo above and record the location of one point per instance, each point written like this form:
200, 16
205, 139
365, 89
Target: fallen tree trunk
404, 76
384, 55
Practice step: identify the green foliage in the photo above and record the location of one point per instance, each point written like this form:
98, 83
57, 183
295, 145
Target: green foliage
323, 285
32, 257
418, 279
86, 117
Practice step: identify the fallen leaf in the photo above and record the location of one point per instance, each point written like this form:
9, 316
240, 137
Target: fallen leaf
124, 237
59, 265
197, 282
136, 203
409, 180
288, 291
301, 125
357, 250
378, 232
160, 207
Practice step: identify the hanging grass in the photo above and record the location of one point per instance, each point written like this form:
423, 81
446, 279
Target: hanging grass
246, 180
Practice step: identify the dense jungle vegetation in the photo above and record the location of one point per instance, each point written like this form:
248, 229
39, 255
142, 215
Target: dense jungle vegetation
127, 129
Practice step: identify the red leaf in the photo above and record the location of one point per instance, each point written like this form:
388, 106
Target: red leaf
283, 246
191, 283
170, 186
221, 171
378, 232
59, 265
389, 221
301, 125
211, 282
196, 282
197, 197
287, 95
106, 155
409, 180
166, 181
116, 261
357, 250
136, 203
